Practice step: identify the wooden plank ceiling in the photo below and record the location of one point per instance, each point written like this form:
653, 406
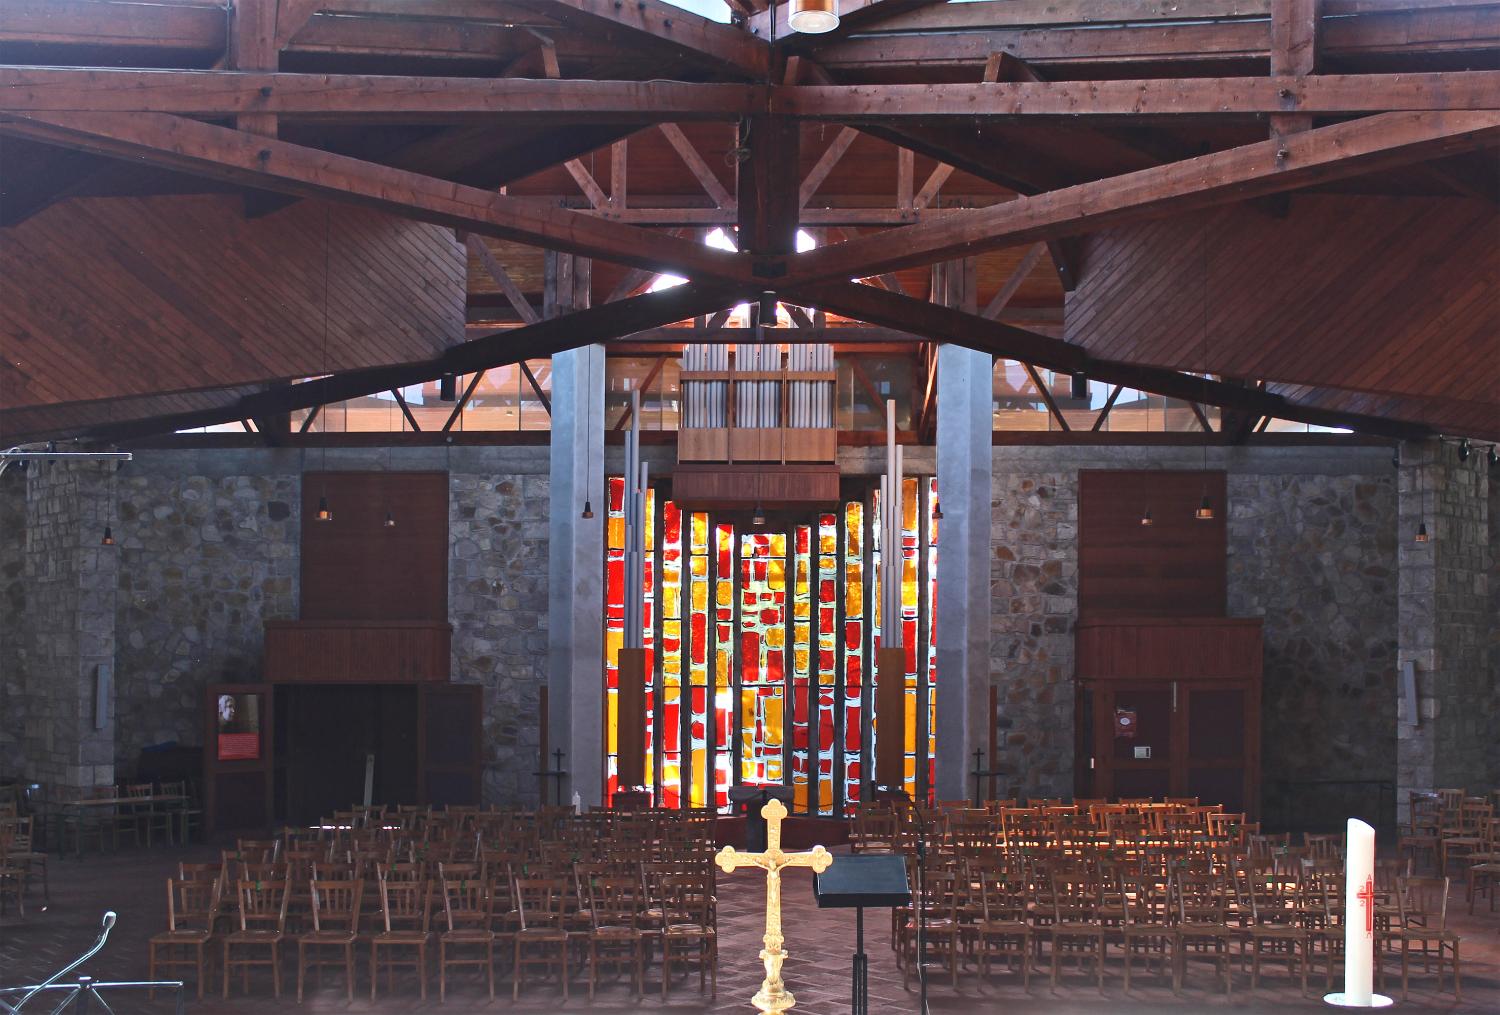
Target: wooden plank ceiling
168, 285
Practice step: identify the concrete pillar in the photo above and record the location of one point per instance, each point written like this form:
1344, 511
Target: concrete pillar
575, 570
964, 467
1444, 621
67, 639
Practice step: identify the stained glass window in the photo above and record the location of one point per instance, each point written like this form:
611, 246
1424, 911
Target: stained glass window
758, 662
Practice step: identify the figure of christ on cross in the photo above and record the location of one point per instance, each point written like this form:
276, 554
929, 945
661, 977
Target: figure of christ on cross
772, 998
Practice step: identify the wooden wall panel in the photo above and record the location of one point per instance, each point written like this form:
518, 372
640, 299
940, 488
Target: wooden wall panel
1398, 296
112, 297
356, 568
357, 652
1174, 567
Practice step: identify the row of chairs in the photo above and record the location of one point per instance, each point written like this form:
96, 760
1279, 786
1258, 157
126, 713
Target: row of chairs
977, 913
413, 886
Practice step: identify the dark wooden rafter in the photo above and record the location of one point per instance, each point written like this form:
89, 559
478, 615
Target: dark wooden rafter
667, 28
705, 176
536, 386
515, 345
463, 400
1109, 404
1326, 153
1008, 289
1294, 53
1046, 395
944, 324
1201, 416
411, 420
177, 143
651, 375
497, 273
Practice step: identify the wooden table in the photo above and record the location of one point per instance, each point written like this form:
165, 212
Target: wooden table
63, 810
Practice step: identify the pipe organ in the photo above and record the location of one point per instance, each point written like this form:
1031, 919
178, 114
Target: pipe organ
758, 402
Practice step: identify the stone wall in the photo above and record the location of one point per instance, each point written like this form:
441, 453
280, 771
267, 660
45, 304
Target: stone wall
206, 557
13, 698
208, 551
66, 638
1314, 556
1494, 627
497, 601
1321, 574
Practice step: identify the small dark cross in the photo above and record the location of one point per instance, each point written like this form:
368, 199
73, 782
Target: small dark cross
558, 754
978, 770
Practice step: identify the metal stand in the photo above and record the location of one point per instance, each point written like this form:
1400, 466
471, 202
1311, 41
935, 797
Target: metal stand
556, 773
81, 991
861, 965
921, 824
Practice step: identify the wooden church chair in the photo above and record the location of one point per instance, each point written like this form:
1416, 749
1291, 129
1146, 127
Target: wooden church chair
262, 924
467, 914
1004, 930
541, 939
406, 921
1145, 925
192, 907
613, 938
1202, 920
334, 912
1423, 922
688, 928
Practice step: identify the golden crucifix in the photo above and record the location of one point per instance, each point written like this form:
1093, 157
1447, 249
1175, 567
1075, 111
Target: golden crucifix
772, 998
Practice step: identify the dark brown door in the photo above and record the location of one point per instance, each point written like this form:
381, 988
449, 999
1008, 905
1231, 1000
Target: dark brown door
238, 756
1134, 749
1220, 752
450, 749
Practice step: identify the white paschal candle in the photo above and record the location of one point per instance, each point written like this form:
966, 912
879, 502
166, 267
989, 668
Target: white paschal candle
1359, 920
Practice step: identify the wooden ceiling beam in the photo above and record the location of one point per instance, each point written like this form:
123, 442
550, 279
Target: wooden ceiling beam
1322, 94
943, 324
216, 152
218, 94
689, 36
1327, 153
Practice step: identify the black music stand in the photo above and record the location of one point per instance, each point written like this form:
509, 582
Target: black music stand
747, 799
854, 882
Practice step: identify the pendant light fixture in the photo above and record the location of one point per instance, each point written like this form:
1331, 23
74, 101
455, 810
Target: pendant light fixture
1492, 456
1146, 518
1421, 536
759, 518
109, 535
448, 388
390, 519
814, 17
1205, 511
937, 510
1463, 450
588, 452
324, 513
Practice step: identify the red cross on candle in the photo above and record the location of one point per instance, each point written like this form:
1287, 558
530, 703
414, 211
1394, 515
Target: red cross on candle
1367, 896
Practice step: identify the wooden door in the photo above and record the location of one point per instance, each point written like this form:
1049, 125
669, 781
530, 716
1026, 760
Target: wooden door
450, 743
238, 756
1221, 756
1135, 750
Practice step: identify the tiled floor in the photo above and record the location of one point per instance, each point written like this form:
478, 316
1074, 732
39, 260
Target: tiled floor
820, 942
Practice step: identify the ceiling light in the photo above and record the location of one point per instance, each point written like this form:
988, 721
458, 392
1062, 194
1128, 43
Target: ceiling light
1493, 456
1205, 510
937, 510
588, 509
448, 388
1463, 450
1422, 532
324, 514
109, 537
759, 518
814, 17
390, 520
1078, 386
1146, 518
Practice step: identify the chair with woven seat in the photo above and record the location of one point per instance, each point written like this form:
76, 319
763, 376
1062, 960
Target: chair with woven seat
1202, 919
689, 932
19, 848
1275, 925
467, 913
262, 924
1076, 926
406, 919
614, 939
1423, 905
334, 908
1145, 925
131, 814
541, 939
192, 908
1003, 929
